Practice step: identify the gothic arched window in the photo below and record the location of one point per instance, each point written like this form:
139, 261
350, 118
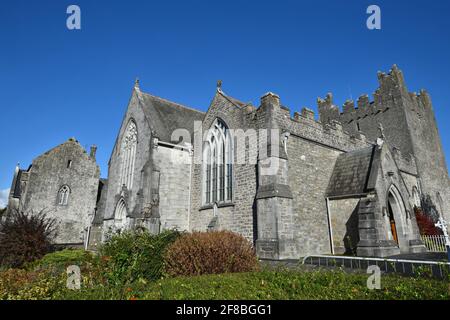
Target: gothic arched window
63, 195
218, 164
128, 155
120, 214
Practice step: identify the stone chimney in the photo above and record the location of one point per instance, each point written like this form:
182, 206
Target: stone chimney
270, 100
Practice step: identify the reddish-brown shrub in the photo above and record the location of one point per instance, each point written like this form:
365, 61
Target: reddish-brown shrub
425, 223
25, 237
210, 253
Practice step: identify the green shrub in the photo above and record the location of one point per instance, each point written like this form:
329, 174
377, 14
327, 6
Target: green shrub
62, 259
25, 237
132, 255
210, 253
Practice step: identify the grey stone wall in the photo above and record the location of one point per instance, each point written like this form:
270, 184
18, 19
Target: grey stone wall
48, 173
428, 151
310, 169
174, 168
312, 150
141, 191
344, 222
409, 125
285, 212
237, 215
375, 236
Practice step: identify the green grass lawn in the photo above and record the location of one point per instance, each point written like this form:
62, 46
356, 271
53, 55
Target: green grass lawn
46, 279
270, 284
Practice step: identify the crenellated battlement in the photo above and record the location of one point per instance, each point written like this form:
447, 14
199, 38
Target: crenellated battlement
389, 94
421, 100
331, 133
327, 110
391, 111
304, 124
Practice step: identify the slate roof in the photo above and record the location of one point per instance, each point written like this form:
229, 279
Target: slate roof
166, 116
351, 173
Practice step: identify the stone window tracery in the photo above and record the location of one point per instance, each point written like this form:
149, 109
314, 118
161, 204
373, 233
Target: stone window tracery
218, 164
63, 195
128, 155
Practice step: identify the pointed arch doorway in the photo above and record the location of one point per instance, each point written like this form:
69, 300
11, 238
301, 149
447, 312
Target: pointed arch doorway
397, 215
392, 219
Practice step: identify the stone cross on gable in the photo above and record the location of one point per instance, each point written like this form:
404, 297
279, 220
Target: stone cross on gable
442, 224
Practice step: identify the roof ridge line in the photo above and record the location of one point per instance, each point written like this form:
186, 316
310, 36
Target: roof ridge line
230, 99
172, 102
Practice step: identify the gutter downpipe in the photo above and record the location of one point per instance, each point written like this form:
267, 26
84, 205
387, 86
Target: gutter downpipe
330, 228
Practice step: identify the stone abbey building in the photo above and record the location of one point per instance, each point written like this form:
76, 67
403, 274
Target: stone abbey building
345, 183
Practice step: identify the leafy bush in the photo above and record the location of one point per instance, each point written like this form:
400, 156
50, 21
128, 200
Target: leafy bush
25, 237
425, 223
210, 252
62, 259
132, 255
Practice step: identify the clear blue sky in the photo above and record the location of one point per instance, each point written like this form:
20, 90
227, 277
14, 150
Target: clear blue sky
56, 83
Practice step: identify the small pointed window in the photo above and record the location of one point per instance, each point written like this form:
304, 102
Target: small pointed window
63, 195
120, 214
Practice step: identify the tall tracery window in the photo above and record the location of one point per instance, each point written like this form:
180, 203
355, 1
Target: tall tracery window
63, 195
128, 155
218, 164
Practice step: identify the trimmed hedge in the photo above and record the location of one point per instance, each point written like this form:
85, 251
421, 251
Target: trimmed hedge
210, 253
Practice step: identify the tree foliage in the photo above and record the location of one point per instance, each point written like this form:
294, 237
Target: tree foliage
25, 237
426, 223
